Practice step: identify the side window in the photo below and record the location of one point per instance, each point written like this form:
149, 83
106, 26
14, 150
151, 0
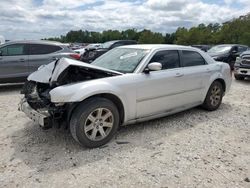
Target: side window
191, 58
13, 50
38, 49
168, 58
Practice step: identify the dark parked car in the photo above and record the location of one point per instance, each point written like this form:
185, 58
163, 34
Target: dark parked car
227, 53
91, 54
242, 66
19, 59
204, 48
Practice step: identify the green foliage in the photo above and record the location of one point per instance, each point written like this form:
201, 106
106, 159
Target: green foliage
130, 34
149, 37
235, 31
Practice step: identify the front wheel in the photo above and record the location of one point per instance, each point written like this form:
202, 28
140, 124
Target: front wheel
94, 122
214, 96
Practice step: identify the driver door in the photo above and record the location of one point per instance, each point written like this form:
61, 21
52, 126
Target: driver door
160, 91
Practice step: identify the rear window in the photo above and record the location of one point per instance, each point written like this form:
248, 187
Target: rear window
191, 58
36, 49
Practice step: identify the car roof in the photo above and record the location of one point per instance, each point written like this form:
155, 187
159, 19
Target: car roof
158, 46
35, 42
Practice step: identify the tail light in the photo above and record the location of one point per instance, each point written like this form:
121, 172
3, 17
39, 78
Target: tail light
75, 56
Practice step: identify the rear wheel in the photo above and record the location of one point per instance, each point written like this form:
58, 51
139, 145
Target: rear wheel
238, 77
94, 122
214, 96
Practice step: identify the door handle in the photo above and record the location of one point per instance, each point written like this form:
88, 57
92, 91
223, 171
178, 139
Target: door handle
179, 74
22, 60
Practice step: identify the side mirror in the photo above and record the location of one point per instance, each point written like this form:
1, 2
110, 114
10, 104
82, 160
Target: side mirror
155, 66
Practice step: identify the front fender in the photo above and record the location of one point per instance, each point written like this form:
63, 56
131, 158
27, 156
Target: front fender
81, 91
77, 92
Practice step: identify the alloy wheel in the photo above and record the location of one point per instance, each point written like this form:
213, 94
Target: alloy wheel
215, 96
99, 124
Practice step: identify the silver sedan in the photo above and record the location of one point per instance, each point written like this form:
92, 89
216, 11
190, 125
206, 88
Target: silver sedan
126, 85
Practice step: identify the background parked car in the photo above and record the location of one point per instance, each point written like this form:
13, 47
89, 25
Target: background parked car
76, 46
91, 54
204, 48
88, 47
242, 66
227, 53
19, 59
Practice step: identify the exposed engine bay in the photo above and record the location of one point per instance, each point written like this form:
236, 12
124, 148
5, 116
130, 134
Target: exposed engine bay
61, 72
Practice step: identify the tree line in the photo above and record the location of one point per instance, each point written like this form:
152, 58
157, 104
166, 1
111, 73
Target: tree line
234, 31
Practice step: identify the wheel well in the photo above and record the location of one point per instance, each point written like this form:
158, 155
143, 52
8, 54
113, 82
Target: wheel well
116, 101
222, 83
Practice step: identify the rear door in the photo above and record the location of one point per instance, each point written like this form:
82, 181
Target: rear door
41, 54
195, 74
14, 62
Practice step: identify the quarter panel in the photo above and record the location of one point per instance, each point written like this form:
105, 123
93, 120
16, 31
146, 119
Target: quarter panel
219, 70
36, 61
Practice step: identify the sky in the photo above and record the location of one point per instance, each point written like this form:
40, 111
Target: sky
36, 19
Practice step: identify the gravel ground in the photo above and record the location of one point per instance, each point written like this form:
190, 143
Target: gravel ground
194, 148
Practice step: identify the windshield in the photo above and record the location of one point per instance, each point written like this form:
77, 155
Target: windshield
123, 60
107, 44
220, 49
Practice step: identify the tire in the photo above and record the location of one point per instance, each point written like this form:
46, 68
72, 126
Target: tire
214, 96
94, 122
238, 77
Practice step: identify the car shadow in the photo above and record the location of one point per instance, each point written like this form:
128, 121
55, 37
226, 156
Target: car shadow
246, 81
53, 150
16, 87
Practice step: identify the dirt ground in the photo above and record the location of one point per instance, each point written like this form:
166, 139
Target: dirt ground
194, 148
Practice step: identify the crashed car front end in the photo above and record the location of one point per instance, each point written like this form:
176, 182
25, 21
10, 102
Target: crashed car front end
37, 105
39, 87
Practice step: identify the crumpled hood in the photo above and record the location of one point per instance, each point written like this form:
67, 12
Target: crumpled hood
51, 72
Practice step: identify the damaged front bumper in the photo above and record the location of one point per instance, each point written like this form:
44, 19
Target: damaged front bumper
41, 118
